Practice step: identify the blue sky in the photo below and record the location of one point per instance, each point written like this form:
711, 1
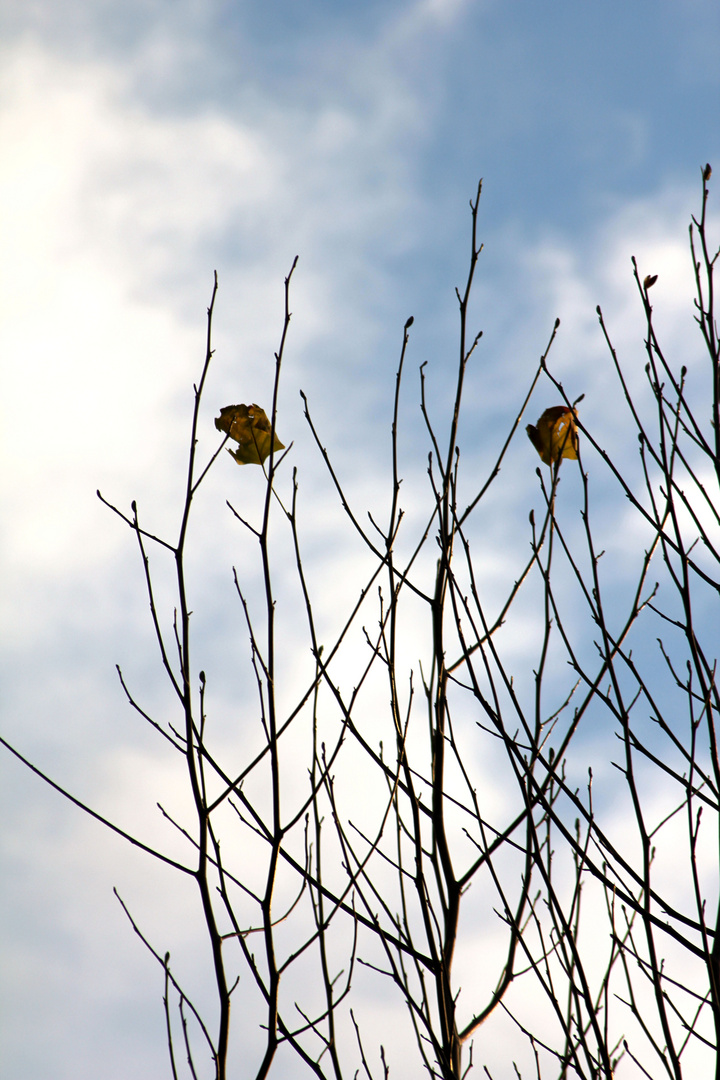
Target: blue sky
144, 145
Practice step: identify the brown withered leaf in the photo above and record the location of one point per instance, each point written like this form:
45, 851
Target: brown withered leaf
555, 434
250, 428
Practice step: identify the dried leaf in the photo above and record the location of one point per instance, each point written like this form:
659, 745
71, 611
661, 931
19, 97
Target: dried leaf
555, 435
250, 428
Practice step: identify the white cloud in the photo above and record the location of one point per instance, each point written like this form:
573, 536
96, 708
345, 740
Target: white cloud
114, 212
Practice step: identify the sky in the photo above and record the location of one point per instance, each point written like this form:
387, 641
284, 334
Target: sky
146, 144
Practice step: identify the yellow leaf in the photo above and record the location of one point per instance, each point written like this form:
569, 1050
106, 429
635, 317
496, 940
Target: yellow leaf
555, 435
250, 428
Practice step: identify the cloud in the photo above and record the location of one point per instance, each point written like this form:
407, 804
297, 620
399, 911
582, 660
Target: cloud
118, 199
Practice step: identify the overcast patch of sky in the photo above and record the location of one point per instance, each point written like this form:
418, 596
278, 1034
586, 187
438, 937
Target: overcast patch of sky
153, 142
